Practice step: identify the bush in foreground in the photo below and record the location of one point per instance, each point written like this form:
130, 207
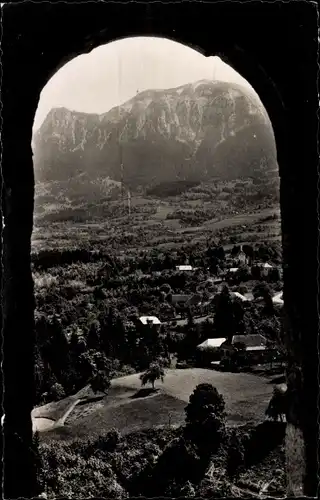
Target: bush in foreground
205, 419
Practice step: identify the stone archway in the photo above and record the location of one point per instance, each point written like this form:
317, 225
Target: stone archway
36, 42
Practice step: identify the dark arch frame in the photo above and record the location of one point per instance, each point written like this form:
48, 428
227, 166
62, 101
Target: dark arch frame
36, 42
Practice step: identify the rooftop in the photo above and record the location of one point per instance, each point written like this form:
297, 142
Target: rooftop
239, 296
278, 298
145, 320
211, 343
254, 340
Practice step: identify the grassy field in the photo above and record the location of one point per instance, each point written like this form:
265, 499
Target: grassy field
246, 398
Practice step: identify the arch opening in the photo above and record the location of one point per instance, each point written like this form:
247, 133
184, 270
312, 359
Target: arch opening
153, 197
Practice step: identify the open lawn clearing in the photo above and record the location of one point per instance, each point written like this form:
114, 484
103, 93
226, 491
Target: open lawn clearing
234, 387
136, 414
163, 211
246, 398
54, 410
248, 242
243, 219
172, 224
42, 424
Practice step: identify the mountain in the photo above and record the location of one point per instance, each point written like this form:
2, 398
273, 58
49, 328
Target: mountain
191, 133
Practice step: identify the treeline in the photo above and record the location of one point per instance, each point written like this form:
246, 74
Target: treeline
45, 259
174, 188
192, 217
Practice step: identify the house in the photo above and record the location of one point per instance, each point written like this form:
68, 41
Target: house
194, 300
149, 320
278, 299
249, 296
253, 348
233, 269
209, 351
242, 258
265, 267
184, 268
239, 296
211, 343
182, 300
179, 299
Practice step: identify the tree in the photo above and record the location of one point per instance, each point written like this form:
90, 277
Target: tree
93, 337
100, 382
96, 370
235, 250
277, 405
205, 418
153, 373
229, 315
263, 290
236, 454
187, 490
56, 392
248, 250
274, 275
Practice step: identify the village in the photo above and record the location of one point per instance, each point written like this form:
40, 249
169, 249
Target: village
197, 311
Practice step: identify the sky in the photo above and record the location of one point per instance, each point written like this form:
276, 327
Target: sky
113, 73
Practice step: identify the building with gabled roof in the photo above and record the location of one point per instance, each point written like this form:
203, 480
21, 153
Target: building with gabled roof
185, 267
239, 296
211, 343
179, 298
233, 269
278, 299
251, 341
150, 320
251, 348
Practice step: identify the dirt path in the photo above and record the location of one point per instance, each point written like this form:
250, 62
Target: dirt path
62, 420
41, 424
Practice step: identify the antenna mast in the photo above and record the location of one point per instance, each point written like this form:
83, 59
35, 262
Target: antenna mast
129, 203
121, 180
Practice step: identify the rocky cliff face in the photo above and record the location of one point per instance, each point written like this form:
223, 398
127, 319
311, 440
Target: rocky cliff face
192, 132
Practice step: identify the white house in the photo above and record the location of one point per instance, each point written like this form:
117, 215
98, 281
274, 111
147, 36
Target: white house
149, 320
265, 267
185, 267
278, 299
239, 296
211, 343
242, 258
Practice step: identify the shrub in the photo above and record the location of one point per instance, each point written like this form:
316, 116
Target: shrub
236, 454
277, 404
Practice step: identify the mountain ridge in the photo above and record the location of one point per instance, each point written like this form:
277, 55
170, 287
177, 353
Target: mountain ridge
158, 136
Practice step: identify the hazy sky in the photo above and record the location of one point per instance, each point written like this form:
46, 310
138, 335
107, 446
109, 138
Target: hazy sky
113, 73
